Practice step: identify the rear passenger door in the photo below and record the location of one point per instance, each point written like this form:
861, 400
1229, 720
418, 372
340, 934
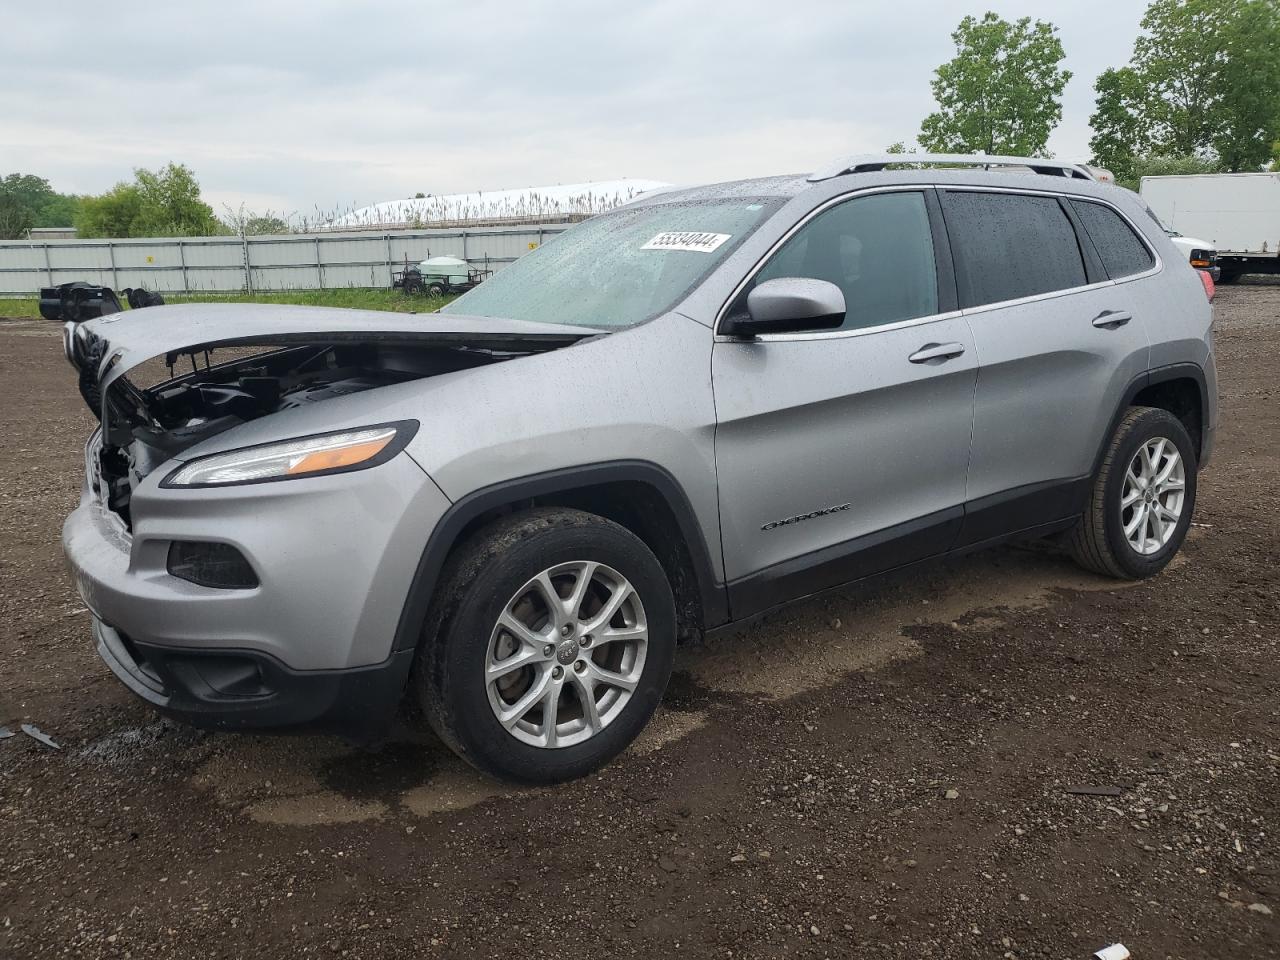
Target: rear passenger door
1058, 343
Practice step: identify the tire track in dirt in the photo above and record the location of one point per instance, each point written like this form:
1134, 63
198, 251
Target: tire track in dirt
794, 651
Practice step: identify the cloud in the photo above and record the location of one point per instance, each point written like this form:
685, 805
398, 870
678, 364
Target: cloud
331, 105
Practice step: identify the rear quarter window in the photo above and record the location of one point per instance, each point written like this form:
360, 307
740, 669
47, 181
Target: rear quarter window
1008, 246
1123, 253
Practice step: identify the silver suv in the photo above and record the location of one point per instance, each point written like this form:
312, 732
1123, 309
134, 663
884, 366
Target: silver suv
674, 416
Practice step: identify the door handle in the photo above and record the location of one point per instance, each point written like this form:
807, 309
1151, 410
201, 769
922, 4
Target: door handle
939, 352
1110, 319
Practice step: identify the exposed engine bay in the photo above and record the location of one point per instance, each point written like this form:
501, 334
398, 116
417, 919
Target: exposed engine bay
143, 428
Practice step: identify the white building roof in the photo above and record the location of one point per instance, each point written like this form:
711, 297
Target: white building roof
524, 204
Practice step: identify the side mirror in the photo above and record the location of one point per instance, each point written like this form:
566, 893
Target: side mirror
788, 305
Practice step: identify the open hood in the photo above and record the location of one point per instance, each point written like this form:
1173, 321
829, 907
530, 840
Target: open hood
121, 341
249, 361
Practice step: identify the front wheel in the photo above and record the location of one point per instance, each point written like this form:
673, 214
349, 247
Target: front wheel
1140, 507
550, 646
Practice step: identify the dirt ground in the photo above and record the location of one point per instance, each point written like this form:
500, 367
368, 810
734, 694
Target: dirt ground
879, 773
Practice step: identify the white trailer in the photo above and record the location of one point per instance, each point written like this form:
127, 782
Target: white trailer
1238, 212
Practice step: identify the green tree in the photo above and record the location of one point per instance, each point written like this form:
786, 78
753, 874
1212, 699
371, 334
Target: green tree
161, 203
171, 204
1120, 125
1002, 91
28, 201
58, 210
1204, 81
1165, 166
16, 217
1248, 112
111, 214
263, 224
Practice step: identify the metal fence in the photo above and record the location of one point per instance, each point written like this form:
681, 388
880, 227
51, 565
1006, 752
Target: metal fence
289, 262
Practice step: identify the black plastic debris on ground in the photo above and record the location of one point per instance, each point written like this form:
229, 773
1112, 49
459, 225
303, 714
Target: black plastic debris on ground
1088, 790
79, 301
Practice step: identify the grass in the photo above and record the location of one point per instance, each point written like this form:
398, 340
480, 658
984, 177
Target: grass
22, 307
354, 297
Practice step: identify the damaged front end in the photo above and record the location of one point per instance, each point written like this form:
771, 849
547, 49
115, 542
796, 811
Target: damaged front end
258, 362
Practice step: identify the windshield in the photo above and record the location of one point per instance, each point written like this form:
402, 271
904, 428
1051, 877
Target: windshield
619, 269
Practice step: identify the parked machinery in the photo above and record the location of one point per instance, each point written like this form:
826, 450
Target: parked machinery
437, 276
79, 301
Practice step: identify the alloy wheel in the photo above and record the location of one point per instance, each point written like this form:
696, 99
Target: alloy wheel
1153, 494
566, 654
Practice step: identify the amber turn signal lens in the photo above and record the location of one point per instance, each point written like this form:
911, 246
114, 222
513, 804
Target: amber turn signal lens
342, 457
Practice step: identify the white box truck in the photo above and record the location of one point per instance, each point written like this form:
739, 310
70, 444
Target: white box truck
1239, 213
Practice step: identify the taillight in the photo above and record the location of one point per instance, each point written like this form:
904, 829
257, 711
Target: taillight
1207, 282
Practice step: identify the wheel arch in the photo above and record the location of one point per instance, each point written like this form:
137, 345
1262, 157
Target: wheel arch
1180, 388
637, 494
1181, 395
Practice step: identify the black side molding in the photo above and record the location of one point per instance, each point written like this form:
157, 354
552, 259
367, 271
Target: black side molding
845, 562
1011, 511
715, 608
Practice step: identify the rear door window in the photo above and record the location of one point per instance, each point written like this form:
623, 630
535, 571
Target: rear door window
1008, 246
1122, 253
877, 249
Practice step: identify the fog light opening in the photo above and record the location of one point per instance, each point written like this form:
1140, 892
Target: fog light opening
218, 565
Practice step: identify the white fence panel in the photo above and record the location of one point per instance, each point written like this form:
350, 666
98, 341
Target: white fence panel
291, 262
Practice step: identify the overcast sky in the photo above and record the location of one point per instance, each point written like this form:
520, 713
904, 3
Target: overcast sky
294, 106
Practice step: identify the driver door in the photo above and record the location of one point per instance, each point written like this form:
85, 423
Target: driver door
844, 453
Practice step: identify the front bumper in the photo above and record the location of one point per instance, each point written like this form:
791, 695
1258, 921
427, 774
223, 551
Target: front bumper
243, 689
334, 556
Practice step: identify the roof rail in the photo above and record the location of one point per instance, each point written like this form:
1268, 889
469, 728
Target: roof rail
871, 162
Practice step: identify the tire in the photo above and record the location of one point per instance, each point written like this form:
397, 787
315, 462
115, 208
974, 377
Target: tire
1229, 277
412, 286
435, 290
73, 297
494, 575
1099, 541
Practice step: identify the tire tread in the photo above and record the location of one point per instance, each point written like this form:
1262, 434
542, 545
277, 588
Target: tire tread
1087, 541
485, 546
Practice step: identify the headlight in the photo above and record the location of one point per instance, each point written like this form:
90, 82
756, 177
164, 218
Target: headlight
305, 457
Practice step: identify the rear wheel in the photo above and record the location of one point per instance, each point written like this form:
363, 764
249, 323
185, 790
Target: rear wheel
550, 647
435, 290
1142, 499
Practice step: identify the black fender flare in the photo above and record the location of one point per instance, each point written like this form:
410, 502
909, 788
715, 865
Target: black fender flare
447, 532
1174, 371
